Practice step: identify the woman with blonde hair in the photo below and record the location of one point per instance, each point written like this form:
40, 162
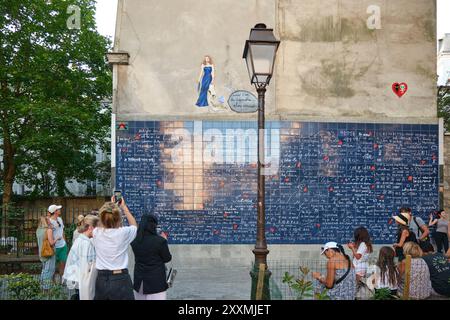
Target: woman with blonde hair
75, 234
81, 258
111, 241
420, 282
48, 263
205, 80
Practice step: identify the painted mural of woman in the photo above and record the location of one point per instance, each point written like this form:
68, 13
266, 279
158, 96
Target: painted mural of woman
205, 80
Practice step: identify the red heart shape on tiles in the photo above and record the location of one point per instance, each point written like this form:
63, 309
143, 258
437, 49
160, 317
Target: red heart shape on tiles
399, 88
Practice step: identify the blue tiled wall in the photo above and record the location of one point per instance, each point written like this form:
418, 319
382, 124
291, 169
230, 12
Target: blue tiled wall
329, 178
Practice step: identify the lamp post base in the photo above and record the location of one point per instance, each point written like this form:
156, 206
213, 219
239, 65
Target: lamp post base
266, 289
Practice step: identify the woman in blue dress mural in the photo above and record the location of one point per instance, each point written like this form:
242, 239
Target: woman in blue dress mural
205, 80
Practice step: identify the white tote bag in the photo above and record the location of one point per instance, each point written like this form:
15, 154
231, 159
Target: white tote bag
87, 282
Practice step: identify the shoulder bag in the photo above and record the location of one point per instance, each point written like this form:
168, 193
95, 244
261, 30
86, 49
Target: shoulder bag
170, 277
47, 250
345, 274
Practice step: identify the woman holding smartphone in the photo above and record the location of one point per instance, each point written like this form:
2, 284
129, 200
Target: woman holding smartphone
111, 241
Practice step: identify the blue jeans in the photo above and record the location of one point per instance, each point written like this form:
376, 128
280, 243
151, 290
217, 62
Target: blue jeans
48, 269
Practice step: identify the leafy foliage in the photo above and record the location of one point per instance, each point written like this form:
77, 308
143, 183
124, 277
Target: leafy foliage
443, 103
302, 287
383, 294
68, 233
52, 82
22, 286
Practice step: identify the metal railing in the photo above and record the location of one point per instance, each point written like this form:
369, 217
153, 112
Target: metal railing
19, 229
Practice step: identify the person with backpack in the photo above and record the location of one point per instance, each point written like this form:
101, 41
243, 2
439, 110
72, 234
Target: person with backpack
421, 231
404, 234
340, 279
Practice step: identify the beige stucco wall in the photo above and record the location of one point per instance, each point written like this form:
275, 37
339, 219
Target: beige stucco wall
330, 65
167, 40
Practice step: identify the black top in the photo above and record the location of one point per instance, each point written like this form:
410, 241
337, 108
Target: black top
439, 272
151, 254
411, 237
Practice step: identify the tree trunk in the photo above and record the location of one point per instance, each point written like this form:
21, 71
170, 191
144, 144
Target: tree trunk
60, 184
9, 174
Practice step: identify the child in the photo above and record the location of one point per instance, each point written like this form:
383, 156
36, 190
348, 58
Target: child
386, 274
361, 248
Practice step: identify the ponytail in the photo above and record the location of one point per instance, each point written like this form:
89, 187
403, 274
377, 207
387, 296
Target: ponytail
342, 250
80, 220
85, 222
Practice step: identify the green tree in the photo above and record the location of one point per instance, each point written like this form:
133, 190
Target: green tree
52, 81
443, 103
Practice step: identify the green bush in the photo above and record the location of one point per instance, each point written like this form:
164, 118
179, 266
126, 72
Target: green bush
56, 292
22, 286
34, 268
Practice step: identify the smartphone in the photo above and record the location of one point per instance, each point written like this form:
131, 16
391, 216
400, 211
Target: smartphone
118, 197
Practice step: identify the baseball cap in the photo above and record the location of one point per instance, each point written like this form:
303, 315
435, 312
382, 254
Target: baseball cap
53, 208
329, 245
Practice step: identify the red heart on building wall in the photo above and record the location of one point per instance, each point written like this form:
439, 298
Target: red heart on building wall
399, 88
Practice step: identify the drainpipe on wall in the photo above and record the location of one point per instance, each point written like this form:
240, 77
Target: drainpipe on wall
115, 59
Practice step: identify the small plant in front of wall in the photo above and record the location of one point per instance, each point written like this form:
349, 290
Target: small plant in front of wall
303, 288
322, 295
383, 294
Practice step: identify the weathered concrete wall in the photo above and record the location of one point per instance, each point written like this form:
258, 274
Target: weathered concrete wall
330, 64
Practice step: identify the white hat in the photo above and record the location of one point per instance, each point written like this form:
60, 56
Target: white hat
403, 218
53, 208
329, 245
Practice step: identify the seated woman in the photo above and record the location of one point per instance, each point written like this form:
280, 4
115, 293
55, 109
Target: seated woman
439, 267
340, 279
420, 283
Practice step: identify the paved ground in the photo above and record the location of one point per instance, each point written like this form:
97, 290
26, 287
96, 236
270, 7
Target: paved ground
211, 284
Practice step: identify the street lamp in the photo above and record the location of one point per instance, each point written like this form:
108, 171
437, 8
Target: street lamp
259, 53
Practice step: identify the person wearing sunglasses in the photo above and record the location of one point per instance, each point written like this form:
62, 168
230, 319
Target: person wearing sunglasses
57, 225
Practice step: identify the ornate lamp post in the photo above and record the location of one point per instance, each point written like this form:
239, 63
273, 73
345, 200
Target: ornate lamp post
259, 53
